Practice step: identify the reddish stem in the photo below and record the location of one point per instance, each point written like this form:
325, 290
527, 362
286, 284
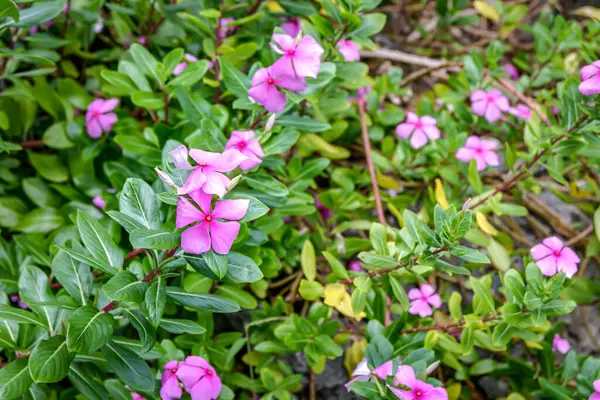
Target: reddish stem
32, 144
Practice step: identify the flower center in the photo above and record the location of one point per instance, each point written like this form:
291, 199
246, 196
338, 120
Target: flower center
270, 81
556, 253
174, 370
419, 125
241, 145
208, 372
418, 393
479, 150
96, 114
291, 52
208, 218
490, 99
424, 298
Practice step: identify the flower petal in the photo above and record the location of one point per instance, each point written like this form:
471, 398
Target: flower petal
465, 154
94, 129
108, 105
107, 121
540, 251
420, 307
414, 294
189, 375
187, 213
222, 235
405, 375
554, 243
547, 266
384, 370
194, 181
232, 210
170, 389
590, 86
418, 139
196, 240
180, 158
405, 129
216, 183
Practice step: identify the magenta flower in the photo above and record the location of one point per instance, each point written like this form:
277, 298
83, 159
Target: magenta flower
481, 150
555, 110
264, 87
170, 385
137, 396
489, 104
98, 118
596, 394
423, 299
384, 370
301, 58
224, 27
590, 78
142, 40
244, 142
208, 174
291, 26
511, 71
348, 49
99, 202
551, 256
189, 58
521, 111
363, 373
199, 378
213, 231
322, 209
561, 345
420, 130
180, 158
16, 299
354, 266
419, 390
361, 96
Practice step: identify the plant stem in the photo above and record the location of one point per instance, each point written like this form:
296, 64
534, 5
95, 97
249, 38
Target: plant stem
446, 327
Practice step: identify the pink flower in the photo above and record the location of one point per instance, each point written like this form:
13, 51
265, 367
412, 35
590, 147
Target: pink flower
98, 118
521, 111
590, 78
199, 378
211, 232
561, 345
348, 49
420, 130
301, 58
224, 28
264, 87
422, 300
322, 209
419, 390
555, 110
244, 142
384, 370
180, 158
16, 299
137, 396
354, 266
490, 104
551, 256
98, 202
189, 58
363, 373
292, 26
479, 149
361, 95
208, 175
511, 71
596, 394
170, 385
142, 40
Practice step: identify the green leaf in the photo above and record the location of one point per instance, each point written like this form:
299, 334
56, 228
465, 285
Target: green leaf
515, 287
138, 202
179, 326
474, 178
145, 329
328, 347
469, 255
49, 166
570, 98
38, 13
482, 292
86, 384
89, 330
156, 299
282, 142
75, 277
84, 258
9, 9
125, 286
597, 223
151, 101
377, 260
239, 295
19, 316
49, 361
266, 184
99, 243
235, 81
191, 108
160, 239
378, 238
450, 269
127, 222
128, 366
312, 169
34, 287
419, 230
119, 80
339, 271
499, 256
191, 75
370, 24
217, 263
308, 260
558, 307
303, 124
204, 302
145, 61
310, 290
399, 292
502, 334
15, 379
39, 253
242, 269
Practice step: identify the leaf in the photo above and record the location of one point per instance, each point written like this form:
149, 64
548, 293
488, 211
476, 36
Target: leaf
145, 61
15, 379
484, 224
370, 24
484, 296
99, 243
138, 202
49, 166
156, 299
84, 258
160, 239
179, 326
239, 295
38, 13
419, 230
469, 255
49, 361
19, 316
235, 81
9, 9
474, 178
145, 329
303, 124
34, 286
192, 110
310, 290
127, 222
486, 10
338, 269
75, 277
125, 286
191, 75
204, 302
89, 330
378, 238
597, 223
86, 384
128, 366
39, 253
440, 195
499, 256
308, 260
242, 269
217, 263
399, 292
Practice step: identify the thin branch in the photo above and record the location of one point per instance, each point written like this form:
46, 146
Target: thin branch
446, 327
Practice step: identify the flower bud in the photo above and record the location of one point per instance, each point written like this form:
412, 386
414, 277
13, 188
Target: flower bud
233, 183
270, 122
165, 178
432, 367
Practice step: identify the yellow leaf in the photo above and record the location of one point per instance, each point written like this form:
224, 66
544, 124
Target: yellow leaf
486, 10
354, 354
587, 11
484, 224
387, 182
337, 297
577, 193
311, 142
534, 345
440, 195
454, 391
274, 7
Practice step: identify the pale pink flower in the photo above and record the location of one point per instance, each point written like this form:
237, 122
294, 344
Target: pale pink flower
291, 26
420, 130
348, 49
551, 256
142, 40
363, 373
170, 385
423, 299
561, 345
99, 202
208, 174
224, 27
419, 390
354, 266
596, 394
511, 71
302, 58
489, 104
264, 87
245, 143
189, 58
199, 378
521, 111
216, 230
99, 117
180, 158
137, 396
384, 370
479, 149
591, 79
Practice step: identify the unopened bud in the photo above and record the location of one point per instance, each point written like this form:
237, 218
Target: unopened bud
233, 183
270, 122
467, 205
165, 178
432, 367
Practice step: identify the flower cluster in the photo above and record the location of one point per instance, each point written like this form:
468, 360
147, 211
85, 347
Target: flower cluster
492, 103
196, 375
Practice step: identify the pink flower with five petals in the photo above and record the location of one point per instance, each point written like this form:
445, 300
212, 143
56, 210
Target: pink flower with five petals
423, 299
479, 149
561, 345
551, 256
596, 394
300, 58
419, 390
489, 104
98, 118
521, 111
348, 49
170, 385
511, 71
189, 58
199, 378
420, 130
590, 75
216, 230
265, 83
362, 372
245, 143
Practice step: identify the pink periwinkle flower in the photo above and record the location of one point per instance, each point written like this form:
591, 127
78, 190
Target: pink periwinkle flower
224, 27
419, 390
291, 26
217, 228
361, 95
596, 394
560, 344
189, 58
591, 79
322, 209
99, 202
142, 40
208, 174
299, 58
137, 396
555, 110
245, 143
521, 111
99, 117
551, 256
265, 83
423, 299
489, 104
348, 49
199, 378
362, 372
420, 130
354, 266
511, 71
16, 299
481, 150
170, 384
